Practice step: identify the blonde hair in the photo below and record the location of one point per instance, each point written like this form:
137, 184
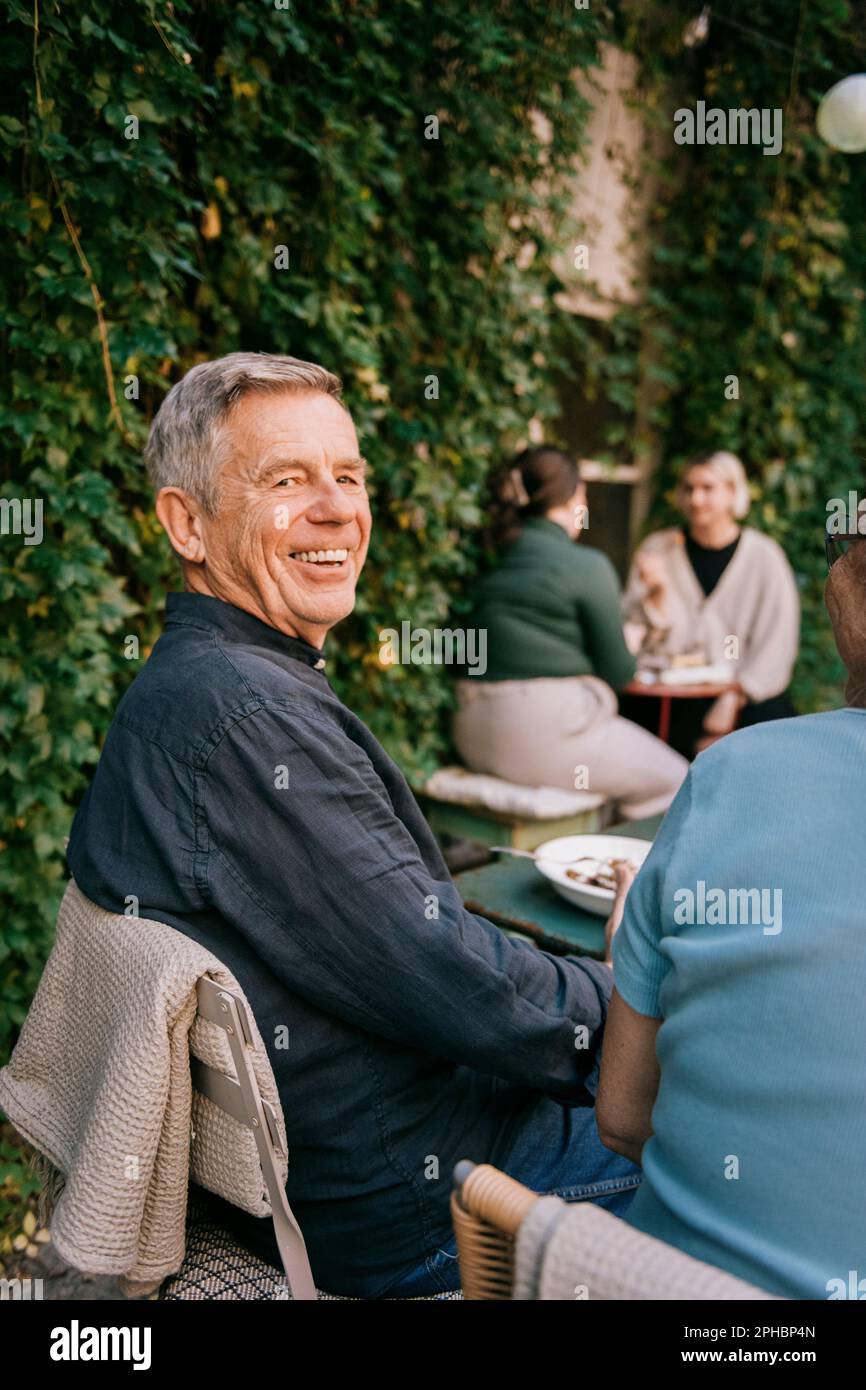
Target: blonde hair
728, 469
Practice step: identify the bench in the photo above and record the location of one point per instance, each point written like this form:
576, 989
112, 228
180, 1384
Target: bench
489, 811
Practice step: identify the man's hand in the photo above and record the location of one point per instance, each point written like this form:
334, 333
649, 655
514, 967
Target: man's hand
624, 879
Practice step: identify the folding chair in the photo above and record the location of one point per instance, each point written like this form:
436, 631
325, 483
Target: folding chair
215, 1265
136, 968
242, 1100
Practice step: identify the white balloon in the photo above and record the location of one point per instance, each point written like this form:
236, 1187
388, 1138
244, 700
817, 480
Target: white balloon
841, 118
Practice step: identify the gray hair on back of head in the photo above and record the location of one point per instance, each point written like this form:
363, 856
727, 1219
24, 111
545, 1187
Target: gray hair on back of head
186, 447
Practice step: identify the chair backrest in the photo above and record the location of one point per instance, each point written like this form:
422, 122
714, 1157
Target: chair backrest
600, 1253
487, 1208
233, 1090
162, 1011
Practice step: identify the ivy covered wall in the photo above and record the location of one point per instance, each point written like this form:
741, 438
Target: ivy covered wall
157, 158
154, 166
758, 271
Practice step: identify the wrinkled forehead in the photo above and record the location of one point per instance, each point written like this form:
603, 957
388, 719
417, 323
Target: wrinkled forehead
308, 426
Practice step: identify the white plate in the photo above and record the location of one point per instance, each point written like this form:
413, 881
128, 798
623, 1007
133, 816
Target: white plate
560, 855
696, 675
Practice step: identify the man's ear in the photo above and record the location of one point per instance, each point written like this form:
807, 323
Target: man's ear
180, 517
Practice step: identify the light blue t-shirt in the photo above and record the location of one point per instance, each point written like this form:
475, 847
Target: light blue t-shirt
757, 1162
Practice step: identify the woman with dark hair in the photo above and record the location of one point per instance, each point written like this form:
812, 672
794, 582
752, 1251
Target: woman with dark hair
544, 712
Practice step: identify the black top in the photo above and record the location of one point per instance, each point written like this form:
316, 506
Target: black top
244, 805
709, 565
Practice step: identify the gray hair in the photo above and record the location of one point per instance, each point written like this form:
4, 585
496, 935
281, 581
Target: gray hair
186, 447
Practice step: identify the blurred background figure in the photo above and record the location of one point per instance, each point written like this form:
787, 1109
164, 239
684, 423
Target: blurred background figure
721, 593
545, 713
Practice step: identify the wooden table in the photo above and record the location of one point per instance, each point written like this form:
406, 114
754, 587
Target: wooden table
513, 894
661, 691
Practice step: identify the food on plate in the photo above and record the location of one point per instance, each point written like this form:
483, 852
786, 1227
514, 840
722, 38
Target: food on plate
697, 657
602, 874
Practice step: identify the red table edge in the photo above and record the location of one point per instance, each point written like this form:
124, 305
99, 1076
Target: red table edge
664, 693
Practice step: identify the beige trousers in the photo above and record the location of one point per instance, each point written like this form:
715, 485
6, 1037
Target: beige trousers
565, 732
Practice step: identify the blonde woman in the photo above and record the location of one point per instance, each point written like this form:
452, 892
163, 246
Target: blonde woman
721, 589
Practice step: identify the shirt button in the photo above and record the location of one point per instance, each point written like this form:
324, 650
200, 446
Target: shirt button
320, 664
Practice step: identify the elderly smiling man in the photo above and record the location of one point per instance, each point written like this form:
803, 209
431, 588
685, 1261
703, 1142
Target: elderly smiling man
239, 801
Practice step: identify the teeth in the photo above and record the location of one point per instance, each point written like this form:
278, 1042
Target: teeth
321, 557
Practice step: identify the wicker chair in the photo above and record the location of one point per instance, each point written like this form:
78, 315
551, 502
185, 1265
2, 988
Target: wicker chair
577, 1246
487, 1208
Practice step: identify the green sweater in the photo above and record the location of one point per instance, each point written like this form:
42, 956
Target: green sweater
551, 608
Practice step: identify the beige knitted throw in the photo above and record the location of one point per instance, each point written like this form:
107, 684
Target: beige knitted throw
99, 1084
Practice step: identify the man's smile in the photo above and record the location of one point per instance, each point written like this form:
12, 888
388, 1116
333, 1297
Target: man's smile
329, 561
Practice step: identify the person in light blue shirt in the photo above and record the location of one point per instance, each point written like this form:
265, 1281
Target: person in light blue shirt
734, 1065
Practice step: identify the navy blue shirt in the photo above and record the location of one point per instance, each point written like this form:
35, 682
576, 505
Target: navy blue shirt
241, 802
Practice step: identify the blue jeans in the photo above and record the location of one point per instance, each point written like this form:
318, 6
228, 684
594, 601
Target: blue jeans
558, 1152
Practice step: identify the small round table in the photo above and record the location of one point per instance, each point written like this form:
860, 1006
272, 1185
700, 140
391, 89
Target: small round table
664, 693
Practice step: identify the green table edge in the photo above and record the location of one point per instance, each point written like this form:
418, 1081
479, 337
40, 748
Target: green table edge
561, 929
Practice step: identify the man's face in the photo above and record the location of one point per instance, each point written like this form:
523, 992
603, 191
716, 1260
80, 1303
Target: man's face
291, 495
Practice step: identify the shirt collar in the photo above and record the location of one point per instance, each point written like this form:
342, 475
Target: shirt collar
201, 610
548, 527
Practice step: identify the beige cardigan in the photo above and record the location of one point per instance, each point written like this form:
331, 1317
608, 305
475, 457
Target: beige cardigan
755, 601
